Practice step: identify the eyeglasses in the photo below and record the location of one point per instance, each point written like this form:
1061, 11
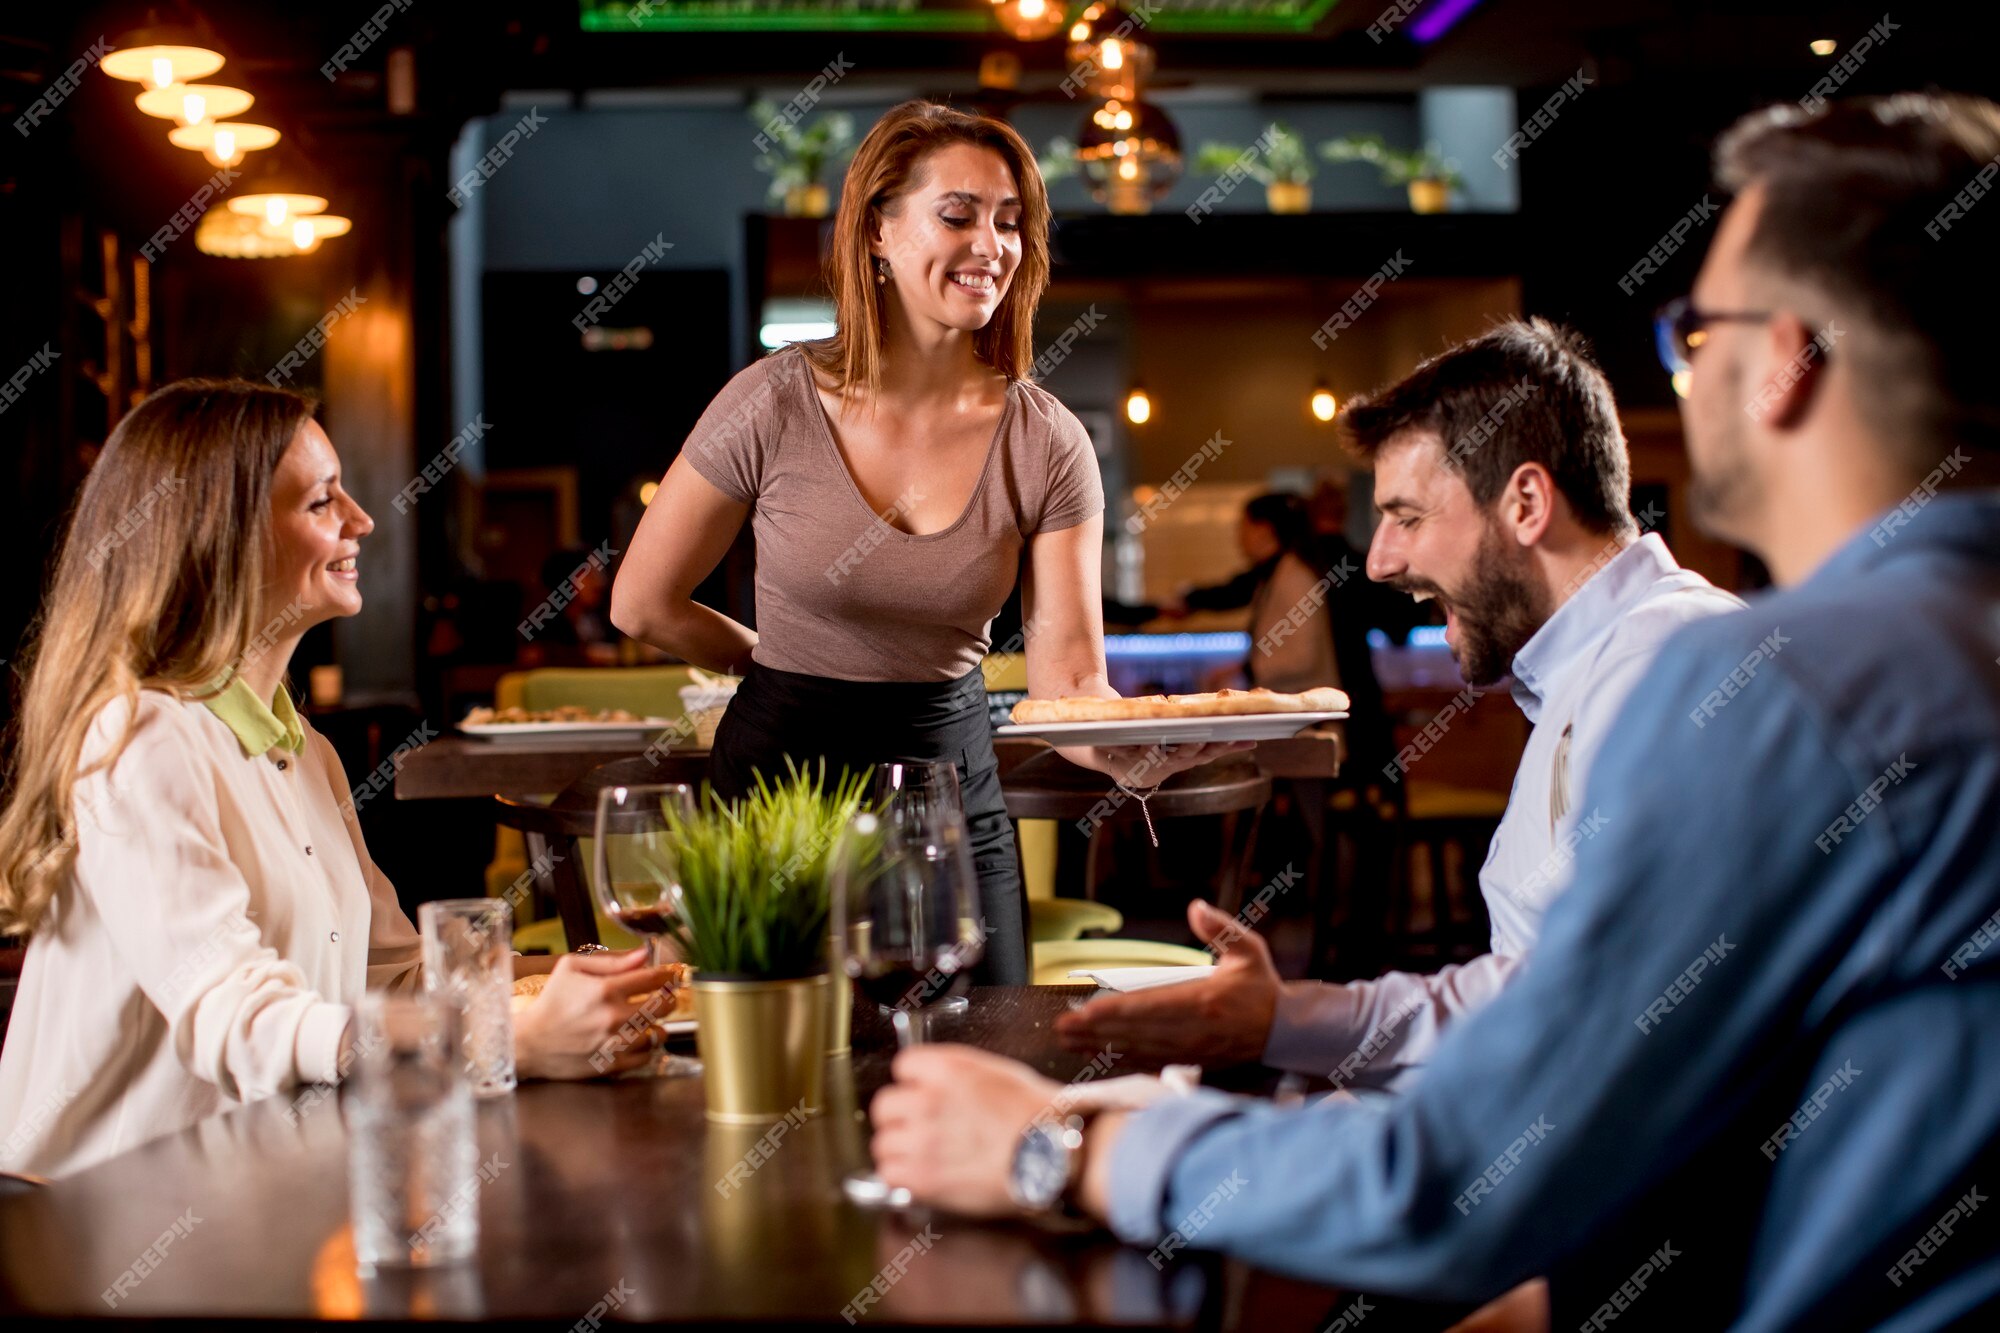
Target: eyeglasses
1679, 328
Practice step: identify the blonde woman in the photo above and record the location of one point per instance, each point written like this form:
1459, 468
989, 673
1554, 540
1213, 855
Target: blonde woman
178, 842
899, 477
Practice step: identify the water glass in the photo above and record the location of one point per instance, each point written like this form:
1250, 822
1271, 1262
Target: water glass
413, 1148
469, 960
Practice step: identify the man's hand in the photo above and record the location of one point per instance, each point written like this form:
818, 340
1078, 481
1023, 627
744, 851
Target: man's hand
1222, 1019
946, 1129
586, 1011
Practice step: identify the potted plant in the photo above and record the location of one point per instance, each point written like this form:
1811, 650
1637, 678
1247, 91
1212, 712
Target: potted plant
752, 921
1285, 169
1427, 173
798, 160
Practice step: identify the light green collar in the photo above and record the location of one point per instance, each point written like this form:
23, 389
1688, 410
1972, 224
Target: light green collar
257, 727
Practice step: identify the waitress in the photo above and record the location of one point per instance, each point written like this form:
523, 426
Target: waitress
898, 477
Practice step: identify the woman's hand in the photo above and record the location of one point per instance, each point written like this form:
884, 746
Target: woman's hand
1145, 766
584, 1024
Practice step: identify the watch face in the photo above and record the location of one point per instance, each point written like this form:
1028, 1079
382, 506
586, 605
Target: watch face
1041, 1168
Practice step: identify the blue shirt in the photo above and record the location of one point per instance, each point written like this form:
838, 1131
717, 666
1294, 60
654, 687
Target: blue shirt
1752, 1072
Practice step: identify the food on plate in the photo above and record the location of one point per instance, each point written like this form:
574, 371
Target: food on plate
1149, 707
678, 989
485, 717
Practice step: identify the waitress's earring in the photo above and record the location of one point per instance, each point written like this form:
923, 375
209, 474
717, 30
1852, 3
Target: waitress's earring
881, 271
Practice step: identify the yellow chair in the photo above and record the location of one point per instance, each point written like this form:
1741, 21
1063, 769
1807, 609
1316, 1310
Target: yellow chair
1056, 959
648, 691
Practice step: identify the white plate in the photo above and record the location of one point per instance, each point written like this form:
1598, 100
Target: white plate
1171, 730
680, 1027
562, 733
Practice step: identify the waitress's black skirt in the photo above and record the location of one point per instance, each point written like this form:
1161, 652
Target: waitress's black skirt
857, 723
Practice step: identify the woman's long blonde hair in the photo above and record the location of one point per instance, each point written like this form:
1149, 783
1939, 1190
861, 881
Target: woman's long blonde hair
158, 586
886, 166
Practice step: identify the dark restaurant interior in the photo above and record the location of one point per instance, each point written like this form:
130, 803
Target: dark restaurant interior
514, 251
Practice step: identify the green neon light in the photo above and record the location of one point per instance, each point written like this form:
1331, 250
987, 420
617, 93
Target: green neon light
922, 16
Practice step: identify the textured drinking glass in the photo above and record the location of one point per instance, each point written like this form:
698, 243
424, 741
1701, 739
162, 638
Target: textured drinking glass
412, 1147
911, 793
469, 960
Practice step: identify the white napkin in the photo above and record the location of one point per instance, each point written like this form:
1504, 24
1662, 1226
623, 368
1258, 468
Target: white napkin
1131, 1092
1143, 978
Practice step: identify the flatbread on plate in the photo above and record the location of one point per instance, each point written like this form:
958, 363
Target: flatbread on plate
1149, 707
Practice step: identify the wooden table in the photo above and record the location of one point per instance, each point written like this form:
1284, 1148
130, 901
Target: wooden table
609, 1187
462, 766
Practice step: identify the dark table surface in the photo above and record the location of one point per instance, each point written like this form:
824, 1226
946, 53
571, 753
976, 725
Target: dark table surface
613, 1193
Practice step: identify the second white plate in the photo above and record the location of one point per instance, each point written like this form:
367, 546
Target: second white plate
1171, 730
564, 733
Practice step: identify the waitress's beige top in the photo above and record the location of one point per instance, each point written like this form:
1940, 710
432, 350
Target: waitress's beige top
841, 590
222, 918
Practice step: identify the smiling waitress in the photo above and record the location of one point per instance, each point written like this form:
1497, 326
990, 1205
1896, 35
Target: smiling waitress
895, 476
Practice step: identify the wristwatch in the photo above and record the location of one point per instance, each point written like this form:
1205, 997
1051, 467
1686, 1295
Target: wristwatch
1046, 1161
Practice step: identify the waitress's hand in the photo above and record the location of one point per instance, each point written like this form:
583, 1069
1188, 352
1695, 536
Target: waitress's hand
584, 1024
1143, 766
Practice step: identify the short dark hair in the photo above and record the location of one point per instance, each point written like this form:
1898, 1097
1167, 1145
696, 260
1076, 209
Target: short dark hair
1871, 202
1287, 516
1525, 391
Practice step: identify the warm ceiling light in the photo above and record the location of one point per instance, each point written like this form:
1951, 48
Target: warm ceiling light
647, 490
1323, 404
1138, 407
225, 143
1129, 153
1824, 46
228, 235
1102, 48
275, 210
310, 229
1030, 20
161, 66
192, 103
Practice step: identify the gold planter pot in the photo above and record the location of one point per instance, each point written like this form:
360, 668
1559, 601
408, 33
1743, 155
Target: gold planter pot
808, 201
763, 1047
1289, 197
839, 1013
1427, 196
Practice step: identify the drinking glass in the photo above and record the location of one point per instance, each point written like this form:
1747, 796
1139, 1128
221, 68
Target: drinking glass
904, 908
413, 1150
635, 880
911, 792
469, 962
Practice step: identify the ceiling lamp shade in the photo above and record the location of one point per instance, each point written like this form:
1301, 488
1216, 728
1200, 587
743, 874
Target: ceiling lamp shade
274, 209
305, 233
1130, 152
160, 58
1106, 54
223, 143
192, 103
1030, 20
231, 235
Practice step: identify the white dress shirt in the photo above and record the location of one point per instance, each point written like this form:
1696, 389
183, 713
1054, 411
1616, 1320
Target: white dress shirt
222, 918
1570, 679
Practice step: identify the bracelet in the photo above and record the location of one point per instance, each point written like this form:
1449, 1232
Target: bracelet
590, 948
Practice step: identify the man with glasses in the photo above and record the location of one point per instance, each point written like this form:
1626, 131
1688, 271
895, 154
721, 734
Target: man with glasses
1752, 1076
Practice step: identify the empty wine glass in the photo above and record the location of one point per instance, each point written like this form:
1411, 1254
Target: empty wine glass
909, 792
904, 919
635, 880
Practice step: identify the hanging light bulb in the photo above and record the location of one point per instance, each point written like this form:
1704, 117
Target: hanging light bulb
276, 210
192, 103
1322, 402
1105, 52
1030, 20
1138, 407
224, 144
1130, 153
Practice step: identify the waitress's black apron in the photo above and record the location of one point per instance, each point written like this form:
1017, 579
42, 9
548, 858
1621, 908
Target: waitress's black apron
857, 723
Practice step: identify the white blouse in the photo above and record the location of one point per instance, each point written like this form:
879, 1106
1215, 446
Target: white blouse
222, 918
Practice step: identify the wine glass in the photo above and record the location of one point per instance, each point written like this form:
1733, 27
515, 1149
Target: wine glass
634, 877
911, 791
903, 915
